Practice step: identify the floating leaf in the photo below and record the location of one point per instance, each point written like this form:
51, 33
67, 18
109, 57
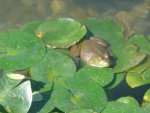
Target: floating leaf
107, 29
19, 50
102, 76
15, 100
117, 80
141, 42
60, 99
139, 75
147, 96
31, 26
55, 67
127, 57
146, 107
127, 100
82, 111
61, 33
119, 107
87, 94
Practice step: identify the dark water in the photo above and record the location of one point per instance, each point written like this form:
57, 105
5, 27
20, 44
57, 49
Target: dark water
134, 14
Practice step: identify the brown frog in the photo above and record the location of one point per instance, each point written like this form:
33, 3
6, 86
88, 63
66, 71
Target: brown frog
94, 52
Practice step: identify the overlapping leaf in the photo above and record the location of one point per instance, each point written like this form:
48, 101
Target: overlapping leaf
119, 107
87, 94
15, 99
147, 96
60, 33
19, 50
102, 76
139, 75
55, 67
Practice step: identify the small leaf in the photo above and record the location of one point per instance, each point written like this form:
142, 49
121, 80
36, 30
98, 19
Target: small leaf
61, 33
119, 107
87, 94
82, 111
15, 100
55, 67
31, 26
117, 80
19, 50
147, 96
139, 75
102, 76
127, 100
146, 107
141, 42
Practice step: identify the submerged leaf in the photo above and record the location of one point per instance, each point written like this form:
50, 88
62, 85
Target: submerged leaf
15, 100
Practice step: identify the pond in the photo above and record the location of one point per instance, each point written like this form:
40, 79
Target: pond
134, 15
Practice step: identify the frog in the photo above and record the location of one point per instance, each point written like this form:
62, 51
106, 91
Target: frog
93, 51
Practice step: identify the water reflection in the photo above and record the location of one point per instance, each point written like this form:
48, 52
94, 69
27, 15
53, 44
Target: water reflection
135, 14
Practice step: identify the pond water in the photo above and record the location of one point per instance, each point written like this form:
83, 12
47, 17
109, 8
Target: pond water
133, 14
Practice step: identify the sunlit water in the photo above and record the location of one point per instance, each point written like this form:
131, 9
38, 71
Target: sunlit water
133, 14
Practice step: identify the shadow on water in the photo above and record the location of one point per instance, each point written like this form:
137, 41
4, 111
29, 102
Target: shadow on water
123, 90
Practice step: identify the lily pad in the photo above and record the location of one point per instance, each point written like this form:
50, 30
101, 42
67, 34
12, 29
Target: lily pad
117, 80
31, 26
146, 107
147, 96
60, 99
141, 42
55, 67
101, 76
87, 94
19, 50
119, 107
125, 53
60, 33
82, 111
127, 100
139, 75
15, 100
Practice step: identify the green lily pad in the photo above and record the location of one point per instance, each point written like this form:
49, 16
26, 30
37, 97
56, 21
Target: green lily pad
139, 75
61, 33
117, 80
141, 42
82, 111
87, 94
146, 107
60, 99
55, 67
31, 26
15, 99
127, 57
147, 96
119, 107
127, 100
102, 76
107, 29
19, 50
